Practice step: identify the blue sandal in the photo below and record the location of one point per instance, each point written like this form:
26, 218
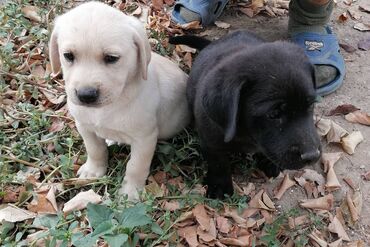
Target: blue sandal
208, 10
323, 49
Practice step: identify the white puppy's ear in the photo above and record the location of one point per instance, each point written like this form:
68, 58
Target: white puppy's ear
144, 53
143, 47
54, 52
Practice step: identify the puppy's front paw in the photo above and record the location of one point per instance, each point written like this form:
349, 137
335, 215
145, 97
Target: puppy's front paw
89, 170
218, 188
131, 190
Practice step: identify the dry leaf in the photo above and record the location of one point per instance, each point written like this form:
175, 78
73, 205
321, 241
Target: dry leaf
247, 11
324, 203
57, 124
13, 214
267, 202
329, 159
240, 241
343, 17
51, 197
354, 14
233, 213
336, 227
298, 221
171, 206
154, 189
221, 24
284, 186
223, 224
191, 25
364, 44
157, 4
40, 204
188, 60
350, 142
343, 110
347, 48
202, 217
190, 235
336, 243
364, 7
81, 200
11, 193
358, 117
336, 133
366, 176
323, 125
316, 236
32, 13
352, 209
363, 27
137, 11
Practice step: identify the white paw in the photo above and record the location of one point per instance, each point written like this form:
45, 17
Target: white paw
131, 190
89, 170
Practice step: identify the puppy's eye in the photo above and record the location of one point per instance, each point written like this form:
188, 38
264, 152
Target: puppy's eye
69, 56
275, 114
110, 59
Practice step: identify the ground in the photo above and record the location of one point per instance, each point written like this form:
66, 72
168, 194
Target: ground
36, 131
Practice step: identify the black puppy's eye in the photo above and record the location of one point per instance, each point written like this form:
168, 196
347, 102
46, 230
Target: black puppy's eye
69, 56
110, 59
275, 114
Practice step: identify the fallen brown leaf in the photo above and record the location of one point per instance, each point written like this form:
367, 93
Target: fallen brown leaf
284, 186
366, 176
298, 221
190, 235
343, 17
240, 241
364, 44
352, 209
364, 7
350, 142
221, 24
329, 159
171, 206
191, 25
336, 227
343, 110
202, 217
336, 133
32, 13
324, 203
157, 4
336, 243
137, 11
40, 204
358, 117
223, 224
363, 27
347, 48
14, 214
323, 125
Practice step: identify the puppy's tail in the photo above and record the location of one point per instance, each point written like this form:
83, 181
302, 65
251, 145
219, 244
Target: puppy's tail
189, 40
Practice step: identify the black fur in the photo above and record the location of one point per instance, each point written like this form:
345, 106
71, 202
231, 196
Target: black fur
252, 96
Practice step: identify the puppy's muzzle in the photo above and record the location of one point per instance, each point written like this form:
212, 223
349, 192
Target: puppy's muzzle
87, 95
310, 157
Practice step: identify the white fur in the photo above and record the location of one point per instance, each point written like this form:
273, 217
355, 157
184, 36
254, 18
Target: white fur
142, 96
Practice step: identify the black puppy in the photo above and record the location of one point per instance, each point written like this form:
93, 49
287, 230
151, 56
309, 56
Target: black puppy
251, 96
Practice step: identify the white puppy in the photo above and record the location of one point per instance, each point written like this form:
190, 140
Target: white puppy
117, 89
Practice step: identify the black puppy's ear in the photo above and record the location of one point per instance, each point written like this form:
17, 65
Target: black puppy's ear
221, 103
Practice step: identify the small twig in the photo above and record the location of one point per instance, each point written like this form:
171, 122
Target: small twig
21, 161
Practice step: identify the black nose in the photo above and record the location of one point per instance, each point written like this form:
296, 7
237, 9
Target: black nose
310, 157
88, 95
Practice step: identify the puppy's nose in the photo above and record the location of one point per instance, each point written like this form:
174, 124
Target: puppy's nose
87, 95
310, 157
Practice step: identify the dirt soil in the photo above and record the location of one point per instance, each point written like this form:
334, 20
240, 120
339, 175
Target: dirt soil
355, 90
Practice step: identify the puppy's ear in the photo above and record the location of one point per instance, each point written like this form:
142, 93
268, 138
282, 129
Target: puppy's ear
221, 103
144, 54
54, 51
141, 42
